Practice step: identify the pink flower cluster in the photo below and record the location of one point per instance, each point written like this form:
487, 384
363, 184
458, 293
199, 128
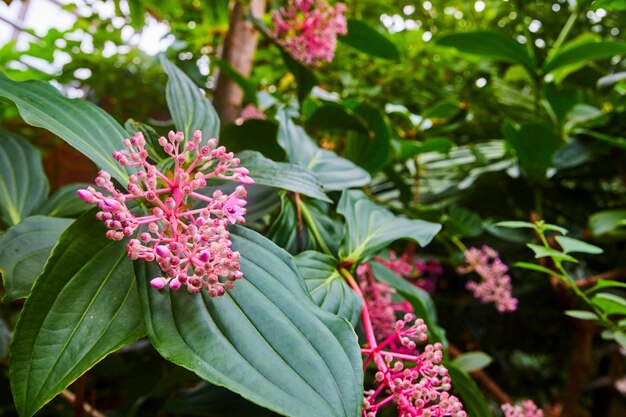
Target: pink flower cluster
250, 112
422, 273
527, 409
308, 29
189, 242
378, 296
415, 382
495, 285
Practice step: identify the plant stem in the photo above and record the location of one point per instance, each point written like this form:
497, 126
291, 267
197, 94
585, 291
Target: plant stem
567, 27
308, 218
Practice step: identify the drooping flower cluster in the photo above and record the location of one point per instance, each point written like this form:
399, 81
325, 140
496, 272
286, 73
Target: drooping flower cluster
417, 383
190, 243
495, 285
421, 273
378, 297
308, 29
527, 409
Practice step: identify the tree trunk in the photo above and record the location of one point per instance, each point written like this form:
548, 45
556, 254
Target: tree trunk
239, 47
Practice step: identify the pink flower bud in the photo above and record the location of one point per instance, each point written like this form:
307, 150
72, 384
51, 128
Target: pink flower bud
86, 195
158, 282
162, 251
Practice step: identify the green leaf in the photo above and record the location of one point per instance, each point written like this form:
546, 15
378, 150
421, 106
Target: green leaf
610, 303
335, 115
543, 252
581, 314
253, 135
609, 5
582, 53
608, 223
421, 301
409, 149
64, 202
534, 144
24, 250
305, 79
81, 124
284, 229
364, 38
370, 227
82, 307
474, 402
516, 225
190, 109
265, 340
569, 245
491, 44
23, 183
327, 287
461, 222
606, 283
5, 339
371, 151
333, 171
290, 177
534, 267
472, 361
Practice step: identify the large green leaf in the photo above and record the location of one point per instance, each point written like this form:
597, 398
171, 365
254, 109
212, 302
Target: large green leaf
23, 183
190, 109
253, 135
290, 177
423, 305
585, 52
491, 44
285, 231
327, 287
366, 39
64, 202
371, 151
81, 124
265, 340
370, 227
82, 307
24, 250
534, 144
608, 223
333, 171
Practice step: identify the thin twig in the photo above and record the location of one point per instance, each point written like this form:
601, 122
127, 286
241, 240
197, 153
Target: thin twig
89, 409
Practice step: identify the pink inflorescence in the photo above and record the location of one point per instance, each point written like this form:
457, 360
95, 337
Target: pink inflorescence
416, 383
495, 285
421, 273
191, 245
308, 29
378, 297
527, 409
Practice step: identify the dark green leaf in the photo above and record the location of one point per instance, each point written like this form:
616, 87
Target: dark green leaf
23, 183
574, 245
253, 135
190, 109
609, 5
327, 287
305, 79
586, 52
364, 38
285, 232
462, 223
370, 227
24, 250
409, 149
64, 202
333, 171
371, 151
421, 301
81, 124
472, 361
290, 177
534, 144
334, 115
491, 44
5, 339
82, 307
265, 340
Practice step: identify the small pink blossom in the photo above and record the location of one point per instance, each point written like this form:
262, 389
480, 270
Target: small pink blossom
527, 409
495, 285
417, 384
308, 29
184, 230
378, 297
